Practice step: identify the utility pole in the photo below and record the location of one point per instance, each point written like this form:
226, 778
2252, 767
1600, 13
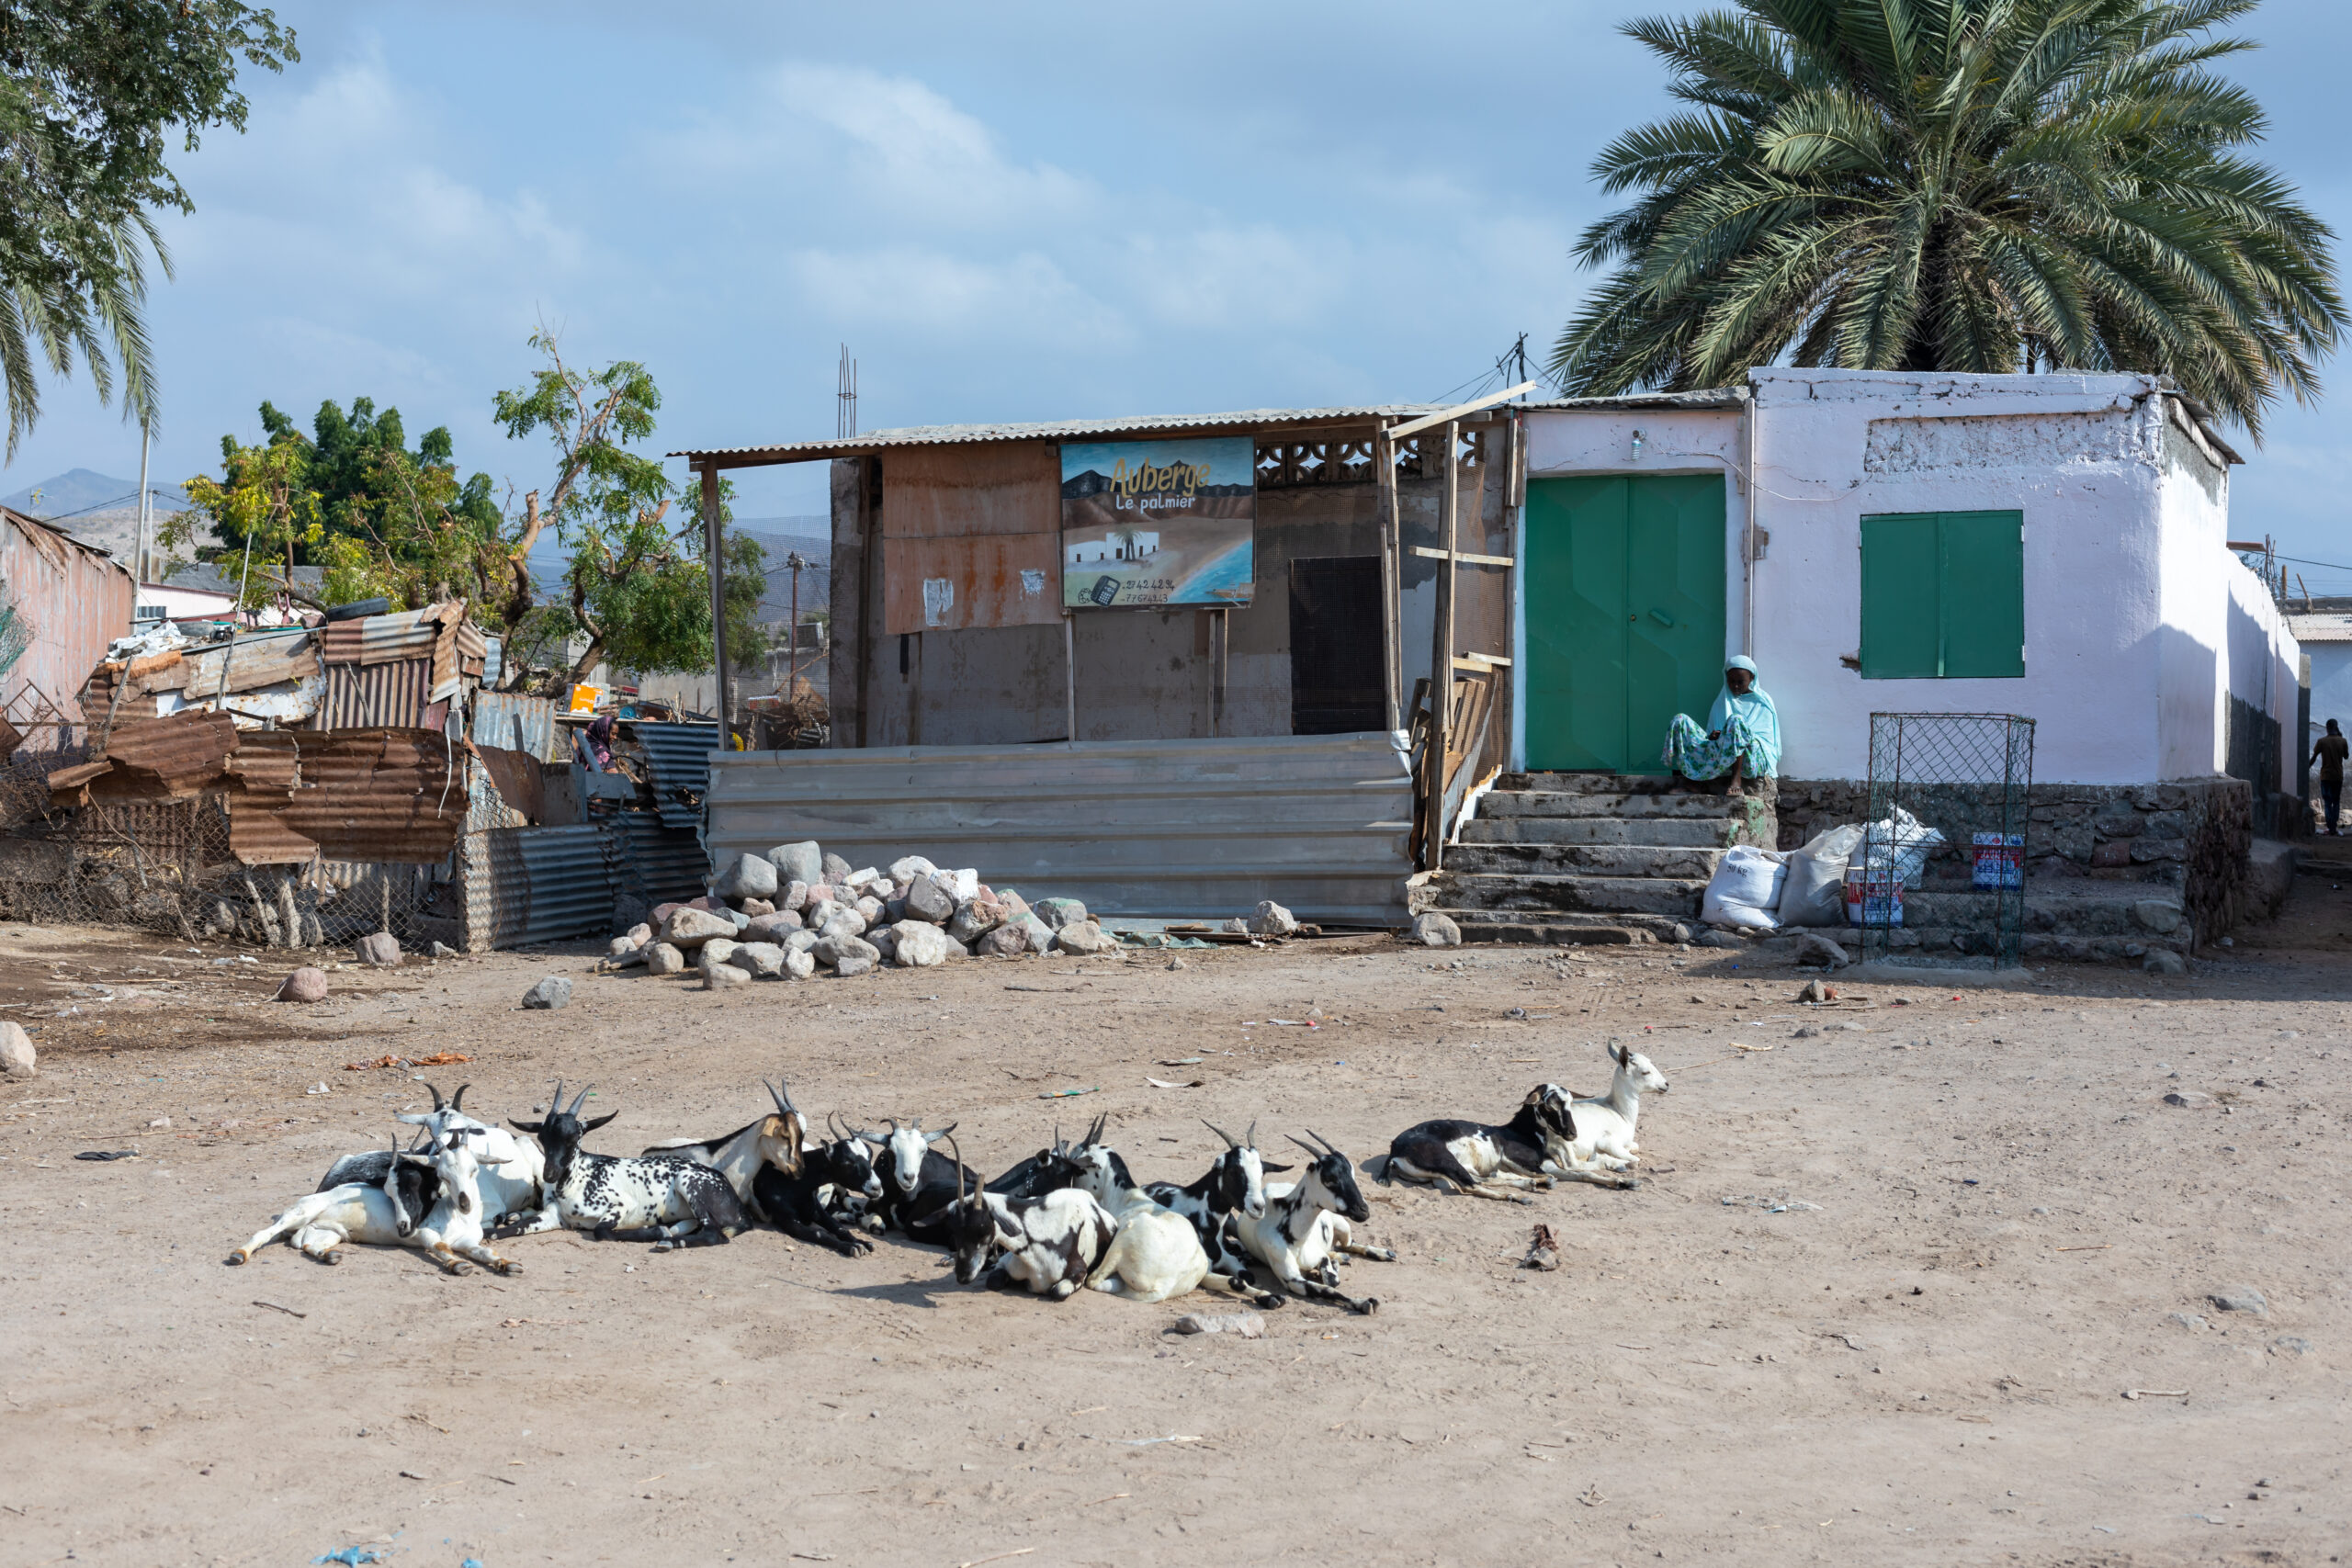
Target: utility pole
845, 397
139, 545
714, 552
795, 560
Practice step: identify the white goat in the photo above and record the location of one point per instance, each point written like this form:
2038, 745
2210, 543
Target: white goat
387, 1215
1307, 1226
1604, 1127
1157, 1253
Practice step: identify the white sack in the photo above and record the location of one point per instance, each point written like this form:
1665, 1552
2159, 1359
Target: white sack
1746, 887
1814, 892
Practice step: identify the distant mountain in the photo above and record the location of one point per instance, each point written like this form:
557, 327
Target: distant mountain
83, 491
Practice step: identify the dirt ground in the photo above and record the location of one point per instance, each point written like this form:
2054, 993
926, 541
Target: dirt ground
1884, 1298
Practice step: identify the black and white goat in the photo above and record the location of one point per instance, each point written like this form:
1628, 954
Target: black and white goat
1479, 1159
1049, 1245
811, 1205
918, 1182
665, 1200
514, 1194
771, 1143
1309, 1224
1234, 1184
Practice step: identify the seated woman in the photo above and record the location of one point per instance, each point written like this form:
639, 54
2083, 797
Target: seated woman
1742, 738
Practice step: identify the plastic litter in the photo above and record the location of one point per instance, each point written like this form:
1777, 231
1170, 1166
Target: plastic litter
352, 1555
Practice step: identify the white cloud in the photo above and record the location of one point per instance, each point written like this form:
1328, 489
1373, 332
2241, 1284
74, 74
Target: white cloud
911, 293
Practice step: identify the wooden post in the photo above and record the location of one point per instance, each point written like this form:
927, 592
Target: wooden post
1514, 497
1441, 651
1222, 658
1392, 549
713, 552
1070, 671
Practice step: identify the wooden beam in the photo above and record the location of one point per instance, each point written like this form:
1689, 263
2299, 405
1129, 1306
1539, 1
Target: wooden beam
1480, 661
1456, 414
1462, 556
1392, 576
713, 554
1441, 658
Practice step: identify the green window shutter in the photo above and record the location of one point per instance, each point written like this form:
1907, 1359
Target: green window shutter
1900, 636
1981, 594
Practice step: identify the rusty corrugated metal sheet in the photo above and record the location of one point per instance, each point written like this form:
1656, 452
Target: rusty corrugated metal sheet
264, 763
76, 600
370, 795
679, 756
362, 696
175, 758
1176, 828
1067, 430
516, 723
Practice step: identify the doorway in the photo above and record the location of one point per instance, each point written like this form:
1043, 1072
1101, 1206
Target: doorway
1625, 611
1337, 658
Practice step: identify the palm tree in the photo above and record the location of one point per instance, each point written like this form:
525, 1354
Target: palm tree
1988, 185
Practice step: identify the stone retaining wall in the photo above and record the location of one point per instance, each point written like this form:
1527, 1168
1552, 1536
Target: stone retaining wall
2191, 837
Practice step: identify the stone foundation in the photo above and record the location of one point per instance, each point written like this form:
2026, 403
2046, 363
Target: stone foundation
2187, 842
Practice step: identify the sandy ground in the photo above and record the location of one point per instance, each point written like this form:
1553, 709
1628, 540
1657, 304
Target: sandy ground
1881, 1299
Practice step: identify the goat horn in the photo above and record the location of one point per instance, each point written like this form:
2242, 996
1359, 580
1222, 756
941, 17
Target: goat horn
557, 1103
438, 1103
1251, 1137
1329, 1146
457, 1101
1220, 1133
1310, 1148
958, 1155
581, 1099
783, 1106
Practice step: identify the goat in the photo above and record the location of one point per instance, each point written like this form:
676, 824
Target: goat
512, 1194
796, 1204
918, 1183
1050, 1244
384, 1213
449, 1231
1235, 1183
1478, 1158
667, 1200
1307, 1224
1157, 1253
772, 1143
1604, 1138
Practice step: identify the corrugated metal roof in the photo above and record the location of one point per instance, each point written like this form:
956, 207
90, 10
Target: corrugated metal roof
679, 755
1172, 827
76, 601
547, 884
372, 794
1062, 429
2321, 627
513, 722
175, 758
363, 696
654, 862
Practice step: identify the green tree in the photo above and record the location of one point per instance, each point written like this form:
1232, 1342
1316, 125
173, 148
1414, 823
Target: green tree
89, 92
1981, 186
264, 500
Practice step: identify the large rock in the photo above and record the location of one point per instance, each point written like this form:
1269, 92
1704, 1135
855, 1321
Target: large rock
718, 949
661, 958
382, 948
2164, 961
855, 965
818, 911
724, 978
905, 868
921, 946
871, 908
803, 861
747, 876
974, 918
960, 884
1271, 920
737, 919
305, 985
1008, 940
763, 959
798, 964
794, 896
688, 927
1015, 905
1040, 935
1819, 952
1082, 936
549, 994
621, 947
17, 1056
846, 920
772, 927
928, 901
801, 941
1058, 912
2155, 915
1434, 930
835, 946
884, 940
835, 870
753, 909
864, 880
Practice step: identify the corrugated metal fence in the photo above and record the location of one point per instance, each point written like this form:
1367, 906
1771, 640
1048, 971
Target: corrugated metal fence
1159, 828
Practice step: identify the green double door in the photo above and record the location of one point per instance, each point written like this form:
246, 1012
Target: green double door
1623, 589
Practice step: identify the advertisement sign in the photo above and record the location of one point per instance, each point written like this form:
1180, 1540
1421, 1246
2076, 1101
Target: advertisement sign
1159, 523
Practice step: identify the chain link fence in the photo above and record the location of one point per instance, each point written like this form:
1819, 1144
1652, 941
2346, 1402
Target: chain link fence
1944, 846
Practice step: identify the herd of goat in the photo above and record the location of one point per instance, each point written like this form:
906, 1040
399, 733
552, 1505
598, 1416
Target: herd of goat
1068, 1216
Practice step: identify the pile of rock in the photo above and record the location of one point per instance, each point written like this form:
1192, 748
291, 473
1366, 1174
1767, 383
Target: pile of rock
796, 909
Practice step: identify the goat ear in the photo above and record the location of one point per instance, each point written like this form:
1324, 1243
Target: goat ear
490, 1159
532, 1127
413, 1118
1271, 1169
934, 1137
595, 1123
1534, 1096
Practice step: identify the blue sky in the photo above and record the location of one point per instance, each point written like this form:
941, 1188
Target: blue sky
1015, 212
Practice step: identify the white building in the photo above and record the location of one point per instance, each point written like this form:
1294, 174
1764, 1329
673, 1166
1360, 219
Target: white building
2050, 545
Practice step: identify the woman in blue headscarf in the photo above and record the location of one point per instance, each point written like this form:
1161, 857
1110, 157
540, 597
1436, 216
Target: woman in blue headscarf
1742, 738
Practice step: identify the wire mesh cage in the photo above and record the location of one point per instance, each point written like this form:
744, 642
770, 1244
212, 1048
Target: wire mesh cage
1941, 869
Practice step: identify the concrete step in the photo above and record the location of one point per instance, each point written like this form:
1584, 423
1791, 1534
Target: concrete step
1501, 803
1559, 930
1590, 859
1683, 832
1672, 897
